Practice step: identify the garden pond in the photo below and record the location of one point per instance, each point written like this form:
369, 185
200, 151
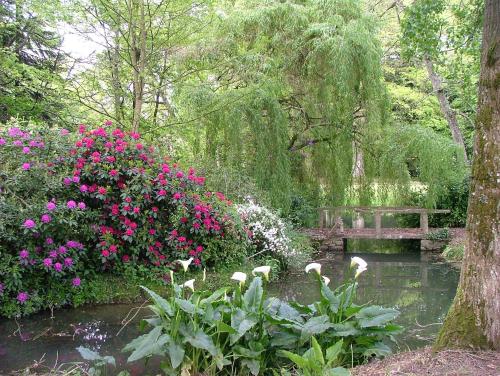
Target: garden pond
412, 281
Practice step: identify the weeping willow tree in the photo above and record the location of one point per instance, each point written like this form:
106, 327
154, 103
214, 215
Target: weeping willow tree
293, 95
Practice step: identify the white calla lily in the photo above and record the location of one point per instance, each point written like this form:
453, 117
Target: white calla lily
326, 280
359, 270
265, 270
359, 262
240, 277
189, 284
314, 266
204, 275
185, 263
172, 277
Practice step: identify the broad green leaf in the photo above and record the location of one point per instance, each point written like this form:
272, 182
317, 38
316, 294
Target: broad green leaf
176, 353
318, 353
284, 339
247, 353
297, 359
252, 364
215, 296
222, 327
379, 349
151, 344
315, 325
241, 323
253, 296
159, 301
344, 329
375, 316
88, 354
328, 295
201, 340
333, 352
187, 306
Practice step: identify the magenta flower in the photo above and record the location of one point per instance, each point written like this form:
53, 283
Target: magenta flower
81, 205
24, 254
84, 188
2, 141
67, 181
64, 132
49, 241
177, 196
71, 204
47, 262
26, 166
58, 267
76, 179
46, 218
68, 261
101, 190
26, 150
22, 297
51, 206
62, 250
76, 282
113, 172
29, 223
53, 254
17, 143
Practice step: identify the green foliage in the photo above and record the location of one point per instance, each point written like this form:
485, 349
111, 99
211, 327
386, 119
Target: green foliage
240, 330
441, 234
454, 252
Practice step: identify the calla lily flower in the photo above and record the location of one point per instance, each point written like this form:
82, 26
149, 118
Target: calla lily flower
172, 277
204, 275
314, 266
185, 263
359, 262
262, 269
326, 280
240, 277
189, 284
359, 270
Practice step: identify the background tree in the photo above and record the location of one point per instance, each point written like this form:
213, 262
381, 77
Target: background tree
31, 63
474, 318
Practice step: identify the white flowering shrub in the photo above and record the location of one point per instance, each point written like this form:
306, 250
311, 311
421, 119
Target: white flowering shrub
272, 236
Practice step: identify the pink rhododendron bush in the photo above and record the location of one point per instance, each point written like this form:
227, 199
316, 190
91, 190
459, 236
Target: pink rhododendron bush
100, 201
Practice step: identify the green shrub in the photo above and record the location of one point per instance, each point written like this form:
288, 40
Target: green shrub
239, 330
454, 252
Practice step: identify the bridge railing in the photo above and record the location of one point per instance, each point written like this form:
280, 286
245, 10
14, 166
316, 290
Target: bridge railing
330, 217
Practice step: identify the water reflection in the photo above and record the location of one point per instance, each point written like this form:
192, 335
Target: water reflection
420, 288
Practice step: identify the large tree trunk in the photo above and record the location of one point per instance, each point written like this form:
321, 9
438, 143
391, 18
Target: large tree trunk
446, 109
474, 318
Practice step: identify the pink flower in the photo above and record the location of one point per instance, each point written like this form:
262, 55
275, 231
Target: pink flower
47, 262
125, 258
26, 150
129, 232
179, 174
49, 241
64, 132
81, 205
24, 254
26, 166
184, 220
46, 218
51, 206
76, 282
137, 210
58, 266
135, 135
108, 123
139, 146
105, 253
101, 190
84, 188
29, 223
113, 172
162, 192
62, 250
22, 297
152, 231
177, 196
2, 141
67, 181
71, 204
68, 261
113, 248
110, 159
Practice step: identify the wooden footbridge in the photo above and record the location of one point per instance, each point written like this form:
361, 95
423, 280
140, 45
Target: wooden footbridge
332, 232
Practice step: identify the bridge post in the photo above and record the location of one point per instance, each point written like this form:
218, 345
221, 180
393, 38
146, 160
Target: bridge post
424, 222
378, 224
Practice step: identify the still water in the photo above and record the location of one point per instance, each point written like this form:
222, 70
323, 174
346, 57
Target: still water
421, 288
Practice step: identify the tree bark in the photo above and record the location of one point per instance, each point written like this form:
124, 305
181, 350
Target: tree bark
138, 59
474, 318
446, 109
